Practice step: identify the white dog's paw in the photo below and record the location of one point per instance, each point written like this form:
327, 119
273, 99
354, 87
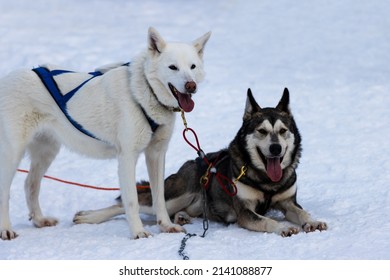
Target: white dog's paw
288, 231
142, 234
314, 225
45, 222
182, 218
8, 234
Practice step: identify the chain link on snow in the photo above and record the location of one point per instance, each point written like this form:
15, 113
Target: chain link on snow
183, 243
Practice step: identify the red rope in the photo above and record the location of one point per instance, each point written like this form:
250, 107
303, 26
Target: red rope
220, 177
81, 185
197, 147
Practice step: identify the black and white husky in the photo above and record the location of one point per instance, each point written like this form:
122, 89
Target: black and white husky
267, 147
118, 111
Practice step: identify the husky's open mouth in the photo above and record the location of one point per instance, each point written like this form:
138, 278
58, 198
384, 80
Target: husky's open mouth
185, 99
272, 166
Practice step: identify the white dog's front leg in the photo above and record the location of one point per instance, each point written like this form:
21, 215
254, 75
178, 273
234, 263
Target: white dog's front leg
155, 161
126, 170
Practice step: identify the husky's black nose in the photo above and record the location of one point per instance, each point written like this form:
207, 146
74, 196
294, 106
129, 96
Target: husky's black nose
275, 149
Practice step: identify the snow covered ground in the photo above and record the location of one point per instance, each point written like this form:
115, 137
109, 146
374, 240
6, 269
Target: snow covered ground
332, 55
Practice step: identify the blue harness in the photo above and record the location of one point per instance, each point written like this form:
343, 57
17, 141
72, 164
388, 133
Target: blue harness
47, 78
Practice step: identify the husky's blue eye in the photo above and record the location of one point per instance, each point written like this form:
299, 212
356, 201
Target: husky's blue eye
173, 67
193, 66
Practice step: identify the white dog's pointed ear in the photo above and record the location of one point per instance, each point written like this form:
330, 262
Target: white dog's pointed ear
251, 106
155, 42
284, 103
201, 42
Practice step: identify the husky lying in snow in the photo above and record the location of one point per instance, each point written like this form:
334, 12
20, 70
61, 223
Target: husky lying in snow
118, 111
268, 145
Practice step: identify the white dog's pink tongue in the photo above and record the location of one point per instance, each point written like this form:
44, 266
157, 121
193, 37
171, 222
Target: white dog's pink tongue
274, 169
186, 102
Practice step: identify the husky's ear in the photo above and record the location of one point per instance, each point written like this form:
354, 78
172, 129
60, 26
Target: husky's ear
155, 42
284, 103
251, 106
201, 42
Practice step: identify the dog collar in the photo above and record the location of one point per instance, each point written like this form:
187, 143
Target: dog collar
169, 108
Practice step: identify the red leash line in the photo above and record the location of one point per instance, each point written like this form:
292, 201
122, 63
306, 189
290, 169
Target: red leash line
81, 185
221, 178
74, 183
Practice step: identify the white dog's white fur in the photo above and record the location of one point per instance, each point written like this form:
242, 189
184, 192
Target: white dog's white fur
108, 106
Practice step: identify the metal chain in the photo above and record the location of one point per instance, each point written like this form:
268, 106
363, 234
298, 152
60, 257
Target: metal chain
183, 243
205, 180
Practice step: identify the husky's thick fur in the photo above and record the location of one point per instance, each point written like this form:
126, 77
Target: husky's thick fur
268, 146
116, 107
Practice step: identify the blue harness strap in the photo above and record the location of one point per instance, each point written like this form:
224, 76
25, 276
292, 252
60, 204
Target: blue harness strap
47, 79
152, 123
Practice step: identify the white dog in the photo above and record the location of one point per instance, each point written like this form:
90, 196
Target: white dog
118, 111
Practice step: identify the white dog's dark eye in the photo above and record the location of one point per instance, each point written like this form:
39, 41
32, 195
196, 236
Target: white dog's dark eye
283, 131
263, 131
173, 67
193, 66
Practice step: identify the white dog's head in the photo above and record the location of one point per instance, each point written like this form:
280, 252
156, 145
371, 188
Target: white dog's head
175, 69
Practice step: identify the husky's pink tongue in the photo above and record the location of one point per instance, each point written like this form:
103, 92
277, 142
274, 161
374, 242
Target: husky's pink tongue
186, 102
274, 169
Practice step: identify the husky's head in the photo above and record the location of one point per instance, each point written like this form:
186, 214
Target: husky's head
175, 69
271, 136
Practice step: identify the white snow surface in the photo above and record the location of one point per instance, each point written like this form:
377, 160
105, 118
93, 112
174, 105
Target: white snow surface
334, 56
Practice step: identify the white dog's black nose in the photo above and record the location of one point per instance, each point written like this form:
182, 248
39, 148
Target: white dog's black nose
190, 87
275, 149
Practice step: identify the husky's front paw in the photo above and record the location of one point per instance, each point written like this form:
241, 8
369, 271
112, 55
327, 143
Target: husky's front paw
286, 232
314, 225
45, 222
8, 234
182, 218
88, 217
171, 228
82, 217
